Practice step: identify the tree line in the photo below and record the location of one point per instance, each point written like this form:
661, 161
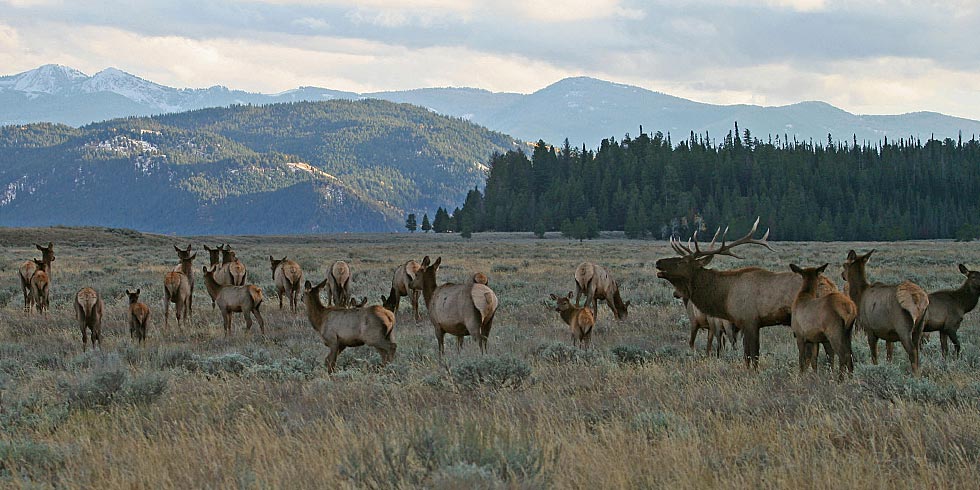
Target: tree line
649, 187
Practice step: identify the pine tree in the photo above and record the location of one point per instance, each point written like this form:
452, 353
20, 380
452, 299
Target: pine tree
426, 226
410, 223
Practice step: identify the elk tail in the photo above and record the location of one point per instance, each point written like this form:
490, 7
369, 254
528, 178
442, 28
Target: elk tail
915, 301
256, 295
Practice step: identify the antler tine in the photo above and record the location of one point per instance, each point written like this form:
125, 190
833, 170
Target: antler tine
694, 237
715, 238
679, 247
726, 248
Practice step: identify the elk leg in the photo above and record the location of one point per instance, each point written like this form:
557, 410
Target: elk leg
246, 314
830, 351
459, 345
838, 342
720, 343
440, 334
227, 317
889, 350
873, 347
803, 354
956, 341
694, 335
166, 310
911, 350
279, 292
944, 343
750, 345
415, 306
258, 316
331, 360
711, 341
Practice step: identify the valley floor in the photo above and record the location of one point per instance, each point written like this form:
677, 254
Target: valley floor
194, 409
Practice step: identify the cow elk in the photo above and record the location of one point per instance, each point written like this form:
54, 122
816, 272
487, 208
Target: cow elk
186, 268
401, 285
177, 289
88, 312
595, 282
288, 276
341, 328
456, 309
578, 318
40, 286
338, 283
139, 317
750, 298
26, 271
820, 319
235, 299
890, 312
233, 269
947, 309
718, 328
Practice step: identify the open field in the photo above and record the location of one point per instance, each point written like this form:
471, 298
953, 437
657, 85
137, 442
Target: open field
193, 409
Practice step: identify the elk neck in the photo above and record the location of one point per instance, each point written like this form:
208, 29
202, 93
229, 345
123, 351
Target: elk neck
709, 290
857, 282
966, 296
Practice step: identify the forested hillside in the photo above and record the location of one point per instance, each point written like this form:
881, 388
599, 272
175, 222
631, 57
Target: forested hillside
284, 168
649, 186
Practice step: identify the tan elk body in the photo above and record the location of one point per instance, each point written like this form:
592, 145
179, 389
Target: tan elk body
948, 307
187, 269
177, 289
456, 309
233, 271
401, 285
338, 283
750, 298
288, 276
817, 319
246, 300
352, 326
595, 282
26, 271
890, 312
41, 286
578, 318
88, 312
139, 317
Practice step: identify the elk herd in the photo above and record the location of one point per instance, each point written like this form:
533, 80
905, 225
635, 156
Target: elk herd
726, 303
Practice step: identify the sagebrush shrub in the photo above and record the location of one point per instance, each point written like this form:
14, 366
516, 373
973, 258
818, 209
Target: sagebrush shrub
493, 372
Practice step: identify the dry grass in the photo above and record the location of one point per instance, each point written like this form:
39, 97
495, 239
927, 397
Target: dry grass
194, 409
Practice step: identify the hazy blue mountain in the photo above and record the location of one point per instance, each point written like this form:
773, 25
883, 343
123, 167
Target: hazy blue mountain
582, 109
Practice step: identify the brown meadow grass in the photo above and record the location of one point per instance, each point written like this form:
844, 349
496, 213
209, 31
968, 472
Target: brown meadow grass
193, 409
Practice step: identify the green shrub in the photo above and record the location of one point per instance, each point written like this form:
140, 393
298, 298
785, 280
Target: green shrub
654, 424
145, 389
174, 357
631, 354
466, 475
34, 460
493, 372
560, 352
231, 362
97, 390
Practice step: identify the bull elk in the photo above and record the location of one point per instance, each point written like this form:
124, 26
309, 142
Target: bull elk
88, 312
338, 283
341, 328
139, 317
578, 318
177, 289
27, 270
401, 285
597, 284
187, 269
288, 276
890, 312
235, 299
456, 309
750, 297
820, 319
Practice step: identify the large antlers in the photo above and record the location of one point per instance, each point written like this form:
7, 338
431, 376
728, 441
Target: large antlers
725, 249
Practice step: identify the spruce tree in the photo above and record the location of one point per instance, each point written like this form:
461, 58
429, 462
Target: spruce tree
410, 223
426, 226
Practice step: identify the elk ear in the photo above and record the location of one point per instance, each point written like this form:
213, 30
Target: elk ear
852, 255
822, 268
308, 286
323, 283
569, 295
425, 261
204, 268
628, 303
283, 259
271, 259
177, 248
868, 255
553, 296
137, 291
795, 268
435, 265
192, 257
964, 270
128, 293
39, 247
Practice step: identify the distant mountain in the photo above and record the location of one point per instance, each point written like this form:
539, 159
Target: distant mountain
582, 109
284, 168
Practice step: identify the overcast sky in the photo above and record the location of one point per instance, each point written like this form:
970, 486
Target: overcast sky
865, 56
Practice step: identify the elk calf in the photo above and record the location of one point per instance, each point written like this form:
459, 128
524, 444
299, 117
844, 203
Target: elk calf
288, 276
818, 319
40, 286
234, 299
178, 289
26, 271
139, 317
716, 327
88, 312
401, 285
947, 309
338, 284
578, 318
596, 283
349, 327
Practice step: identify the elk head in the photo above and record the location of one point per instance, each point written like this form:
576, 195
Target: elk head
227, 254
426, 273
214, 254
563, 302
275, 263
972, 278
47, 253
133, 297
680, 270
811, 275
311, 293
353, 303
41, 265
181, 254
854, 266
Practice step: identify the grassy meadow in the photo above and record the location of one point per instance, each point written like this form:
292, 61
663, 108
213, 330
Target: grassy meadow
195, 409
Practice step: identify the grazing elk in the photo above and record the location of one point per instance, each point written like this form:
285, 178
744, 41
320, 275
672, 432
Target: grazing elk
235, 299
890, 312
401, 285
139, 317
341, 328
177, 289
288, 275
27, 270
40, 286
456, 309
595, 282
750, 298
822, 318
88, 312
338, 283
717, 327
578, 318
186, 268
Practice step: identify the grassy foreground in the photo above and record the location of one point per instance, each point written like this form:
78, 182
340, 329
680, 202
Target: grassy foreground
193, 409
